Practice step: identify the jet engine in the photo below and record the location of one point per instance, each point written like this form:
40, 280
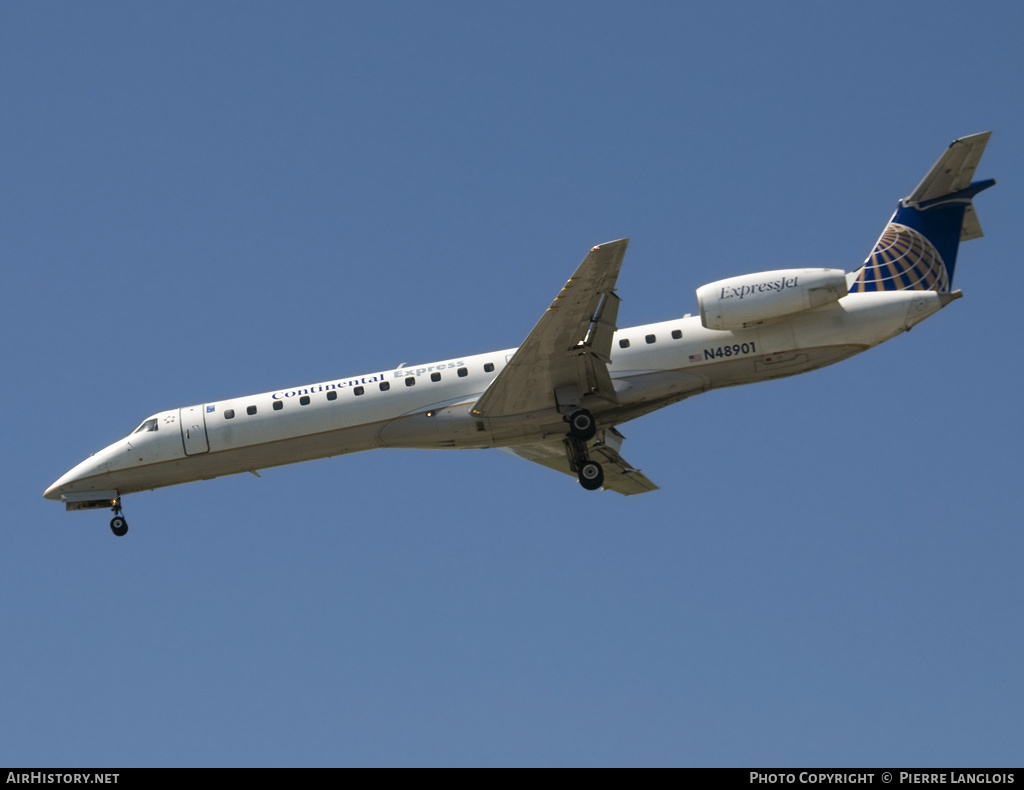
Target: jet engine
742, 302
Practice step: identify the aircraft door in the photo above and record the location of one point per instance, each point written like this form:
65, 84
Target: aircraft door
193, 430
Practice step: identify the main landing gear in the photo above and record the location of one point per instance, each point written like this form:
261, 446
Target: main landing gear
591, 475
582, 428
118, 525
582, 425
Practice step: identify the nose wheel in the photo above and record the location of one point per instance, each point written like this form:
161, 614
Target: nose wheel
118, 525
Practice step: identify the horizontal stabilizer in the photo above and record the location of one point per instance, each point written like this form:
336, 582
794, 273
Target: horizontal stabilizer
952, 172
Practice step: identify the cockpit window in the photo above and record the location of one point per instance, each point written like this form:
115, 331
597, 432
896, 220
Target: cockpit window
148, 425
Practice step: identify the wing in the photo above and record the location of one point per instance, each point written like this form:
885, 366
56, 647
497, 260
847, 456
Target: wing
618, 474
565, 358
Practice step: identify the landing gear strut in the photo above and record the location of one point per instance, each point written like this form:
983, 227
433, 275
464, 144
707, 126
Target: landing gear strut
117, 524
582, 428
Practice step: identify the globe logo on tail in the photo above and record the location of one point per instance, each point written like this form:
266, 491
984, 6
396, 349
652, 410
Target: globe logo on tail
902, 260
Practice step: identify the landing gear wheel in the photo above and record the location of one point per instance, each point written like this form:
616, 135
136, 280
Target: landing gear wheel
119, 526
581, 425
591, 475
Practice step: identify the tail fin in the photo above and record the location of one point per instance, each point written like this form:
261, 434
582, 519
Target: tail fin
917, 249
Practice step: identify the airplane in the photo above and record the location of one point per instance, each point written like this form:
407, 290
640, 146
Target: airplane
559, 398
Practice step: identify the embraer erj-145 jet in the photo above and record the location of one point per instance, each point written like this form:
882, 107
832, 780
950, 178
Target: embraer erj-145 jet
558, 398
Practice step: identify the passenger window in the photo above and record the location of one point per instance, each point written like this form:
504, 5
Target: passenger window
410, 381
385, 386
677, 334
332, 395
304, 400
463, 372
624, 343
229, 414
435, 376
359, 390
489, 367
278, 405
650, 339
250, 410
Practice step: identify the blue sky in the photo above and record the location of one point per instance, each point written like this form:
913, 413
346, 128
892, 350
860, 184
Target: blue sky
208, 200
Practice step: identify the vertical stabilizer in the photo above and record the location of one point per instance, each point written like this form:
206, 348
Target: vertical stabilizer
917, 249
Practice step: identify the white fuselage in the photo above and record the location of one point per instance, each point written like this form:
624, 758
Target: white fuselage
428, 406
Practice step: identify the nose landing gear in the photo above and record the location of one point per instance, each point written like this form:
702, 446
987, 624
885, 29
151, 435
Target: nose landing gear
118, 525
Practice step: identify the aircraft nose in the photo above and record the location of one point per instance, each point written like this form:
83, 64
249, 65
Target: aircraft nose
62, 485
81, 478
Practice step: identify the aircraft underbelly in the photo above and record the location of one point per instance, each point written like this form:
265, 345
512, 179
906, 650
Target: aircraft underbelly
239, 459
451, 426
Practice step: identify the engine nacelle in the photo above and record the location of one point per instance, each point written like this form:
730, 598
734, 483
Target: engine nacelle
742, 302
